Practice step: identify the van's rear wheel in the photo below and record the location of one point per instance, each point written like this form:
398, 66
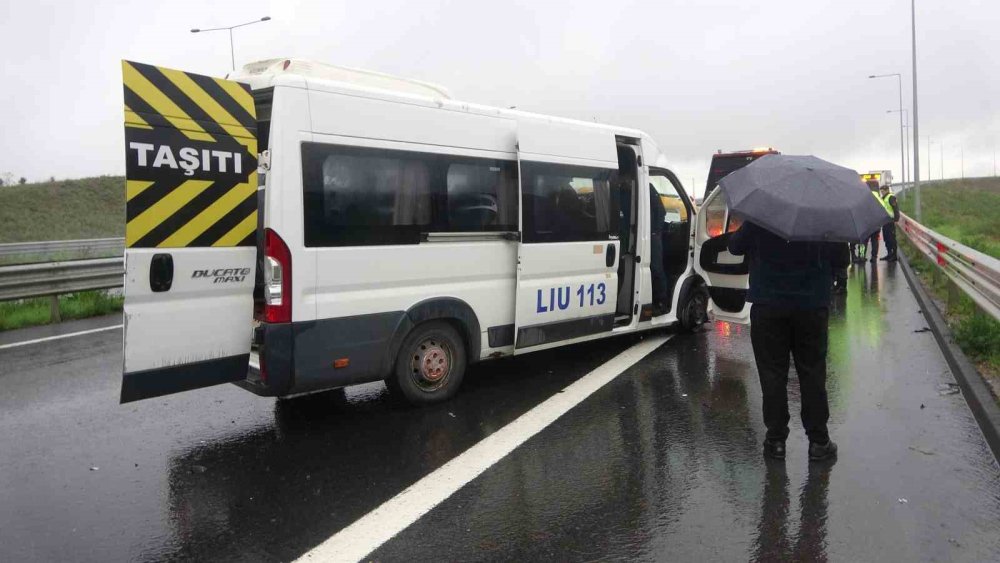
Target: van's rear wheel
694, 310
430, 364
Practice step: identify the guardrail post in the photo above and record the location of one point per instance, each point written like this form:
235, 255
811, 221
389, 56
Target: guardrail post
54, 315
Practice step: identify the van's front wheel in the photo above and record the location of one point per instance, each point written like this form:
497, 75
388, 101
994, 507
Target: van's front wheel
694, 311
430, 364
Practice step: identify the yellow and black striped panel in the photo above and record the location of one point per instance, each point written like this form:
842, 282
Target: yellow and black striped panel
190, 159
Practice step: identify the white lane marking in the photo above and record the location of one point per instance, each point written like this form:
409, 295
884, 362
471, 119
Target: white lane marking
59, 336
381, 524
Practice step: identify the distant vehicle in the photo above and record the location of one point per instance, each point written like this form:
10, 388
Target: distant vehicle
396, 234
725, 163
882, 177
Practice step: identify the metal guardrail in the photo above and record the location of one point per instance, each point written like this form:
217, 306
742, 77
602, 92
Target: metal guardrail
975, 273
84, 248
54, 278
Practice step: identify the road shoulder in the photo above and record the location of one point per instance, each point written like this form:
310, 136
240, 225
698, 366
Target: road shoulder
974, 388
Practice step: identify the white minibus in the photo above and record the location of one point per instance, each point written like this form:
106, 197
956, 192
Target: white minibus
299, 227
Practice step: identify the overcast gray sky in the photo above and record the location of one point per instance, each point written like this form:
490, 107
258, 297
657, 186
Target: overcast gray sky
698, 75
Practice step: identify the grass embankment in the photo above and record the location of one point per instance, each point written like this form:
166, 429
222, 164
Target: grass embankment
61, 210
966, 211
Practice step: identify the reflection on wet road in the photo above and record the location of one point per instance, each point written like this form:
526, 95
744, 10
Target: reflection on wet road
663, 463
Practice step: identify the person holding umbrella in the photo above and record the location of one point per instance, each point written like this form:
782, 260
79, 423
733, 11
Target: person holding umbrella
799, 214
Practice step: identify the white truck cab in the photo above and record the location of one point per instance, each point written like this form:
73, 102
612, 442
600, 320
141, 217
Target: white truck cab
299, 227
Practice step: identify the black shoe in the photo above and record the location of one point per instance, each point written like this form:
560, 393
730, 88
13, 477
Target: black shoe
873, 259
774, 449
893, 258
885, 258
822, 452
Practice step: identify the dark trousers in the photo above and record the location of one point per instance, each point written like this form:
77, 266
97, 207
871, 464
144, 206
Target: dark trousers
657, 271
889, 234
777, 333
873, 247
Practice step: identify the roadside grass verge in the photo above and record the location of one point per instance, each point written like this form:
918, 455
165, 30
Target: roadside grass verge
976, 332
63, 210
962, 210
35, 312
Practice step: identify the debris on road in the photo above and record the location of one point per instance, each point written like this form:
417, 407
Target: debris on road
948, 389
903, 501
925, 329
95, 468
198, 469
921, 450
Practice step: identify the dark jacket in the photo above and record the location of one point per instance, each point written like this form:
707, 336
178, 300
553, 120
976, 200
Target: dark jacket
790, 274
656, 212
895, 207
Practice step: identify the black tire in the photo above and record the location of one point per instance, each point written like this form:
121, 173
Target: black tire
430, 364
694, 311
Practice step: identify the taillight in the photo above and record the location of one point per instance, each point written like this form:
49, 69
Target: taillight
277, 279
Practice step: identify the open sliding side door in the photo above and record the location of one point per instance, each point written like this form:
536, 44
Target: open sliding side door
567, 263
191, 219
727, 275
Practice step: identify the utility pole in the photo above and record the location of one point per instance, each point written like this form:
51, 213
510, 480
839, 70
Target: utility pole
916, 120
962, 149
941, 147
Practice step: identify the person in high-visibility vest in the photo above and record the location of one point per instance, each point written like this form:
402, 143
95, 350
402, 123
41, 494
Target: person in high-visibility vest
888, 201
873, 240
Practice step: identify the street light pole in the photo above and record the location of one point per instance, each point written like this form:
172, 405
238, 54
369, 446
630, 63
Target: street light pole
899, 82
909, 174
232, 52
916, 120
904, 125
929, 161
941, 152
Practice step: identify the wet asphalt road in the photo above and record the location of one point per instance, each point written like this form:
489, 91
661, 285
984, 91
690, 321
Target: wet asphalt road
663, 463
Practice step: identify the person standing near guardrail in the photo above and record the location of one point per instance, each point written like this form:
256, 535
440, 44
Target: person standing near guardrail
888, 200
873, 240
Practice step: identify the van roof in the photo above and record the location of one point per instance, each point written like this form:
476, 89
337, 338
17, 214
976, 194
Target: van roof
321, 76
257, 71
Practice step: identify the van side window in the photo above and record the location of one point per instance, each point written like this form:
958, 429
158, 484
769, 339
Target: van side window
482, 196
674, 207
565, 203
357, 196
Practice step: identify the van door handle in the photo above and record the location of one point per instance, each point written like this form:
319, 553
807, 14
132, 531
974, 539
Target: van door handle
609, 258
161, 273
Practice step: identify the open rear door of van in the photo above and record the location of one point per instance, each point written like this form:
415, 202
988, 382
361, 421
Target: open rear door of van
727, 275
191, 220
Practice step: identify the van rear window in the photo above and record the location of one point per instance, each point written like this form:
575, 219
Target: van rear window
365, 196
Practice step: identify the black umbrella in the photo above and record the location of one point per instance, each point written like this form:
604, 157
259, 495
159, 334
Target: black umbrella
804, 198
